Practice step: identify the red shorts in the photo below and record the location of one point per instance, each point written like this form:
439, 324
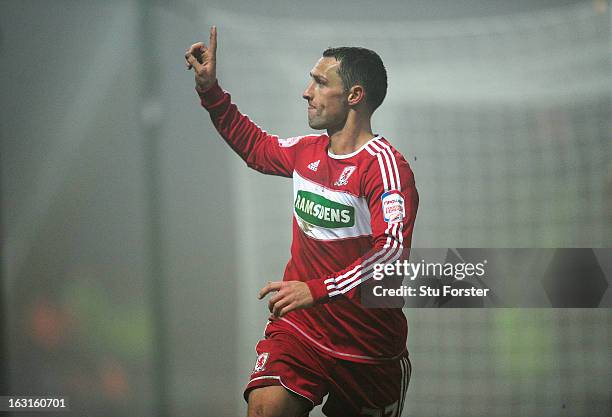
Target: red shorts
355, 389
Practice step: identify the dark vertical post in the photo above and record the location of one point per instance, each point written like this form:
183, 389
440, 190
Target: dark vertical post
4, 349
150, 79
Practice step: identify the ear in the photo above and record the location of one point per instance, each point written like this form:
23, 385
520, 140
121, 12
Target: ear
356, 95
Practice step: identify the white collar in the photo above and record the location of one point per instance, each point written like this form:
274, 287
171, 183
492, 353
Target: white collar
349, 155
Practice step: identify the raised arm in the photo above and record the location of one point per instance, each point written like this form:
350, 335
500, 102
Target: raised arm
260, 150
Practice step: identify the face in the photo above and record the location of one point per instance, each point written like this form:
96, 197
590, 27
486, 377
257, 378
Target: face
327, 100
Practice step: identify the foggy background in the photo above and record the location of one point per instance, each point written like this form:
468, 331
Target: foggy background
134, 241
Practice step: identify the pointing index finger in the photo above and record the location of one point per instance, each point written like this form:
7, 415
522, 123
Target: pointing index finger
213, 39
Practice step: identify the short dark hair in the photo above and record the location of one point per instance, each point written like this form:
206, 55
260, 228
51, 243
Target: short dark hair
364, 67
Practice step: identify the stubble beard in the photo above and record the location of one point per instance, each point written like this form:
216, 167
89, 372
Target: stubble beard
316, 122
317, 125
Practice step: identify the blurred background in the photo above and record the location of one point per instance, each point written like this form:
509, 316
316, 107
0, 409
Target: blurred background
134, 241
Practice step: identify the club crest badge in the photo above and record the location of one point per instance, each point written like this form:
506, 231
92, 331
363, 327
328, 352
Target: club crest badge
260, 363
344, 177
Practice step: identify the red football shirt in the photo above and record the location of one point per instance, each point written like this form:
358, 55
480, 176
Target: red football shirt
350, 213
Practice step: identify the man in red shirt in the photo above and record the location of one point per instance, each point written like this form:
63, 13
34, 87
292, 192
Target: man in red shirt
355, 204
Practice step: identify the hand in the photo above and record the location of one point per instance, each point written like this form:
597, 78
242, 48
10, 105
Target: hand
204, 61
290, 295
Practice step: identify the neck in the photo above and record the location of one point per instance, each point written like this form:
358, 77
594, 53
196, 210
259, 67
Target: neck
348, 138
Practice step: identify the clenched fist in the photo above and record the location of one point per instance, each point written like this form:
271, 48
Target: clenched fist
203, 60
